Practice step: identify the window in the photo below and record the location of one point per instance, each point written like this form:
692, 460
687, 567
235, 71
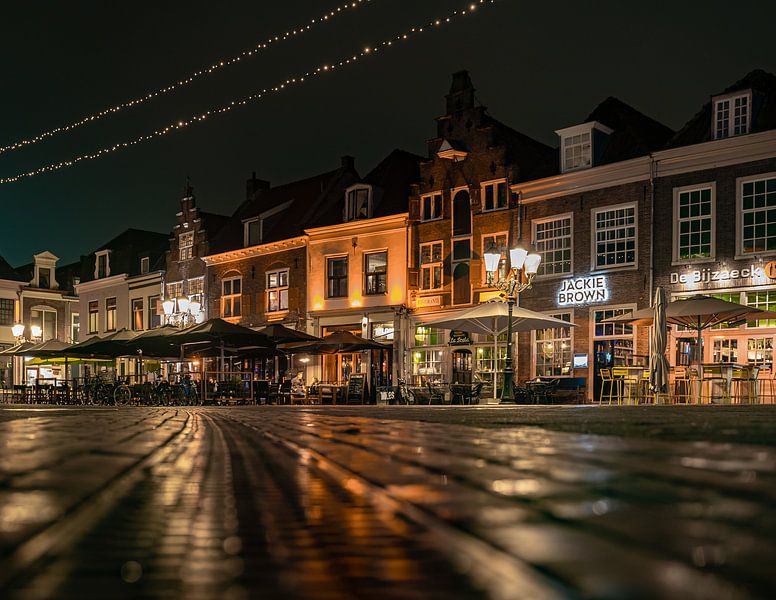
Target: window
110, 314
231, 296
154, 312
758, 215
494, 196
764, 301
137, 314
611, 329
337, 276
431, 266
614, 230
614, 339
759, 351
577, 152
186, 245
101, 267
196, 289
462, 249
462, 288
694, 229
500, 241
376, 273
6, 311
46, 319
731, 116
357, 204
725, 350
145, 265
252, 232
553, 350
94, 317
734, 297
428, 336
426, 366
277, 290
462, 213
75, 328
44, 278
431, 207
553, 242
174, 290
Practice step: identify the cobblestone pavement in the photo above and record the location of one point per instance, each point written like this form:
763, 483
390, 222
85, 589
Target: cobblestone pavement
290, 502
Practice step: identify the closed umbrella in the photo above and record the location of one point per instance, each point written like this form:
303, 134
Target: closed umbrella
658, 363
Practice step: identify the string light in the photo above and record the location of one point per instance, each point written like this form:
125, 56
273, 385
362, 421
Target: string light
183, 123
221, 64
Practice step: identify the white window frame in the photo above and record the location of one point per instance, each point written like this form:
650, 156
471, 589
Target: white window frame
246, 225
97, 255
115, 314
229, 298
593, 241
186, 250
96, 313
279, 289
550, 219
440, 263
366, 274
132, 313
350, 211
73, 317
503, 263
712, 185
557, 314
494, 184
430, 197
740, 181
730, 99
43, 309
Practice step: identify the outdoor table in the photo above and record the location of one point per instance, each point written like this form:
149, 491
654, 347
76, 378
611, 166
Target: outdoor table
727, 375
334, 391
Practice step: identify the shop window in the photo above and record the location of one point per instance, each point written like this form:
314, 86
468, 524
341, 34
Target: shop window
494, 196
277, 290
553, 242
764, 301
611, 329
725, 350
137, 314
731, 116
428, 336
376, 273
231, 297
462, 289
553, 350
499, 240
186, 245
426, 366
110, 314
614, 231
431, 207
759, 351
727, 297
431, 266
462, 214
337, 277
758, 215
94, 317
694, 228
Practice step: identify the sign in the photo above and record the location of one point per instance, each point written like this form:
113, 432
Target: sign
708, 275
770, 269
426, 301
580, 361
459, 338
583, 290
389, 395
356, 388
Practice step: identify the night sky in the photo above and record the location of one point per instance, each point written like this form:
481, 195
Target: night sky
538, 66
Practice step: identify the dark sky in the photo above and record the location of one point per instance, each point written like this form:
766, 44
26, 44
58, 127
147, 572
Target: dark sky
538, 66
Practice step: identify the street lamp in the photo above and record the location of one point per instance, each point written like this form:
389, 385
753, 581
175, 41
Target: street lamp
36, 332
18, 330
523, 267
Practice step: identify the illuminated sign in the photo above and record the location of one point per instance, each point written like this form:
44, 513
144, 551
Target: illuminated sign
428, 301
583, 290
709, 275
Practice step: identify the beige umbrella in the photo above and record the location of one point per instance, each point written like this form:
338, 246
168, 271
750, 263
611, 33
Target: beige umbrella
658, 363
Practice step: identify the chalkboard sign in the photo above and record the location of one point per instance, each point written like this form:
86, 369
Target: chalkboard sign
356, 388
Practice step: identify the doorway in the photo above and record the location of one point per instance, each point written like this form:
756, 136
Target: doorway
462, 366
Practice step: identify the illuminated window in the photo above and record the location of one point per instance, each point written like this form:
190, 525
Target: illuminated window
337, 276
231, 297
553, 241
375, 273
731, 116
428, 336
764, 301
426, 366
94, 317
75, 328
694, 229
196, 289
137, 314
577, 152
46, 319
186, 245
174, 290
110, 314
154, 311
725, 350
553, 350
277, 290
614, 230
431, 207
431, 266
494, 196
759, 351
758, 215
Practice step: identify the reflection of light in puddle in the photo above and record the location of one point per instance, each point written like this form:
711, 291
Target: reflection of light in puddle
515, 487
19, 509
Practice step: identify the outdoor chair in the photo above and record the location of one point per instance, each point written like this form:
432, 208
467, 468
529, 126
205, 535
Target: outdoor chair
682, 387
626, 385
713, 380
476, 392
606, 380
436, 394
744, 385
421, 395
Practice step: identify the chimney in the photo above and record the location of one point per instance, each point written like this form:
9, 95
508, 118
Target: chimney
348, 162
253, 186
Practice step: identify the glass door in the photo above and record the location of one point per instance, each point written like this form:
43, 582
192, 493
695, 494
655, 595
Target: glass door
462, 366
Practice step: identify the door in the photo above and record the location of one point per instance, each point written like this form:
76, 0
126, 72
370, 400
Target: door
462, 366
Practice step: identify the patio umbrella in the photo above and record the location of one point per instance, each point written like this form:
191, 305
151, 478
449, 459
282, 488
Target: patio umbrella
47, 349
154, 342
281, 334
339, 341
492, 318
658, 363
109, 346
17, 349
222, 332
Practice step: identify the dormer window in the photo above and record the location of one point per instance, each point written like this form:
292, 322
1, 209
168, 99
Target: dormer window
358, 203
145, 265
102, 264
732, 115
252, 232
44, 278
578, 145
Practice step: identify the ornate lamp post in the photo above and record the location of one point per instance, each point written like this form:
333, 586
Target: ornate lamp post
182, 311
523, 268
18, 332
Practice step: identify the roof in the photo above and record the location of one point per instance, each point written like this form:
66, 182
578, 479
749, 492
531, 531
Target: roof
532, 159
7, 272
634, 133
213, 222
763, 85
126, 250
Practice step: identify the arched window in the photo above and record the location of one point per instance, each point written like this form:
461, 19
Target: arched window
462, 290
462, 213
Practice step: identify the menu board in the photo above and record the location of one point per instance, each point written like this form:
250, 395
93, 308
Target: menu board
356, 388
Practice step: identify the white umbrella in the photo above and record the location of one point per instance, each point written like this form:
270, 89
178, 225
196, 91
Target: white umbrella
492, 318
658, 363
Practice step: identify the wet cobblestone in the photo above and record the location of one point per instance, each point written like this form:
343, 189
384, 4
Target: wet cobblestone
290, 502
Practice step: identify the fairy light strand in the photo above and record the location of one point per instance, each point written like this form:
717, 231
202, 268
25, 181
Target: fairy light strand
273, 40
367, 51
